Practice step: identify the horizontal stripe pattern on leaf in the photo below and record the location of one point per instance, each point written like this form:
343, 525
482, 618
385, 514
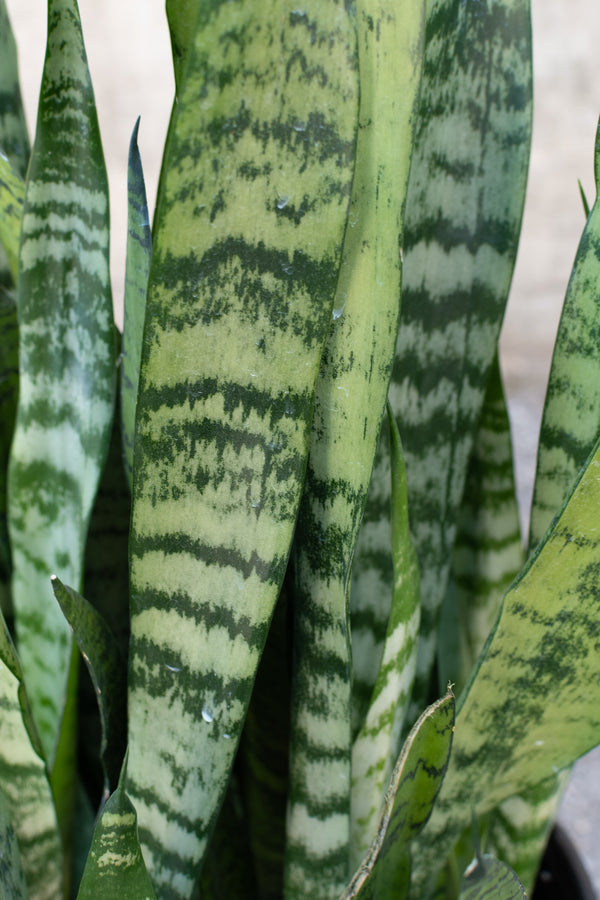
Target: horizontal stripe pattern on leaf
67, 365
253, 202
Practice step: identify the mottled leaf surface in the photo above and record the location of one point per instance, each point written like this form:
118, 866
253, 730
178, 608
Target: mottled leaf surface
384, 874
488, 553
12, 880
12, 190
115, 865
376, 746
247, 243
532, 706
464, 206
490, 879
67, 369
571, 417
349, 400
24, 782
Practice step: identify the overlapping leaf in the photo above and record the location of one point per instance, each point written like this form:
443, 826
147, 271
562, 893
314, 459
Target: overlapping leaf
465, 199
66, 351
12, 191
418, 774
349, 400
532, 706
247, 243
491, 879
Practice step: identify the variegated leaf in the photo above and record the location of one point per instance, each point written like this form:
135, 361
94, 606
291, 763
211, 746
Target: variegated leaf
464, 205
349, 400
253, 202
384, 874
376, 747
25, 784
490, 879
67, 368
115, 865
531, 707
488, 553
12, 191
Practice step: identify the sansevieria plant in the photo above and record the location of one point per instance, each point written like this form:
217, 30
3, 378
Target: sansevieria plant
315, 659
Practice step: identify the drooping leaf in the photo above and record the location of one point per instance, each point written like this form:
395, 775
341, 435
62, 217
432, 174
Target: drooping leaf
349, 400
571, 417
464, 206
376, 746
488, 552
24, 782
67, 370
108, 672
490, 879
246, 250
12, 191
12, 880
384, 874
139, 251
115, 865
531, 707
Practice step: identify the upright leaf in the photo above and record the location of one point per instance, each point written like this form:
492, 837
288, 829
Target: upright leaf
66, 350
376, 746
488, 552
490, 879
571, 418
464, 206
253, 203
12, 190
349, 402
531, 707
12, 880
14, 139
139, 250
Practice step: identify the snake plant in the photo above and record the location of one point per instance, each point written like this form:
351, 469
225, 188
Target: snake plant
268, 625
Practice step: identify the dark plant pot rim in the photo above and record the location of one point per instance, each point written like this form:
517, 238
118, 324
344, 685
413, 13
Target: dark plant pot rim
562, 874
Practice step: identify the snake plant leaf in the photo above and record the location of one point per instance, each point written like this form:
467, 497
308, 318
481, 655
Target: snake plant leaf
584, 200
139, 251
115, 865
409, 799
67, 363
349, 400
182, 16
531, 707
263, 757
490, 879
14, 139
12, 879
519, 828
488, 553
571, 417
463, 215
108, 672
12, 191
25, 786
246, 251
375, 749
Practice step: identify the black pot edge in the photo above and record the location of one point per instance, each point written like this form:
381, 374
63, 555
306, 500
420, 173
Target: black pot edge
562, 857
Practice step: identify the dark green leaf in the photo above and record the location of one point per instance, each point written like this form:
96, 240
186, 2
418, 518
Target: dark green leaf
489, 879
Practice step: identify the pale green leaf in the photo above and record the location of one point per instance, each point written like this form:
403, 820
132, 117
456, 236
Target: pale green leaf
12, 192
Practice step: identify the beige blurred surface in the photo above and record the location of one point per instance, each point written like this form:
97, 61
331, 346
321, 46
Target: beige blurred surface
129, 58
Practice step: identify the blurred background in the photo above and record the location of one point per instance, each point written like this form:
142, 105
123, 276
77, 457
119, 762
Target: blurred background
129, 56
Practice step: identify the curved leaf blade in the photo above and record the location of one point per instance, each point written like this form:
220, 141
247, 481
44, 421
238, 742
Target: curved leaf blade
414, 786
491, 879
242, 281
67, 368
531, 707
